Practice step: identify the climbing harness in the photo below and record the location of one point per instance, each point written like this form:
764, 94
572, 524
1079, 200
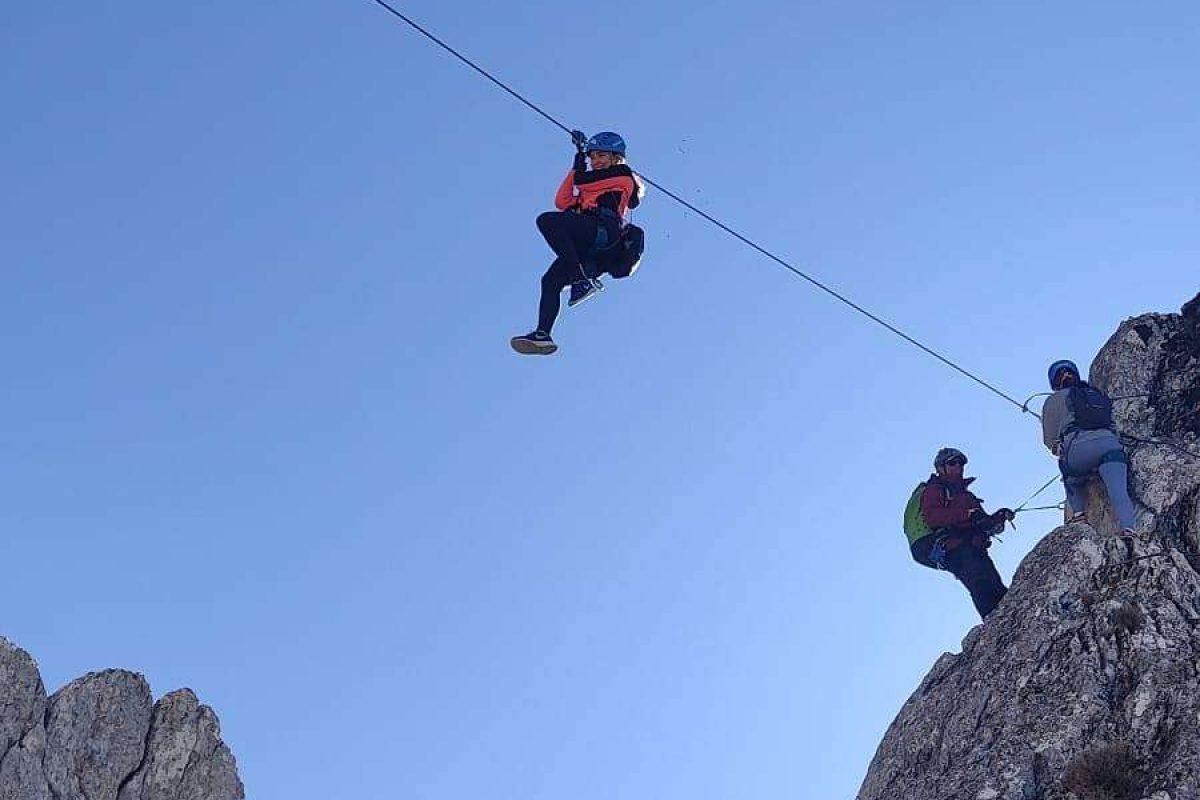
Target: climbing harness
708, 217
619, 256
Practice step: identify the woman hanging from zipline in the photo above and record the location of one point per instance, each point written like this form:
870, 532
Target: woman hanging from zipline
585, 232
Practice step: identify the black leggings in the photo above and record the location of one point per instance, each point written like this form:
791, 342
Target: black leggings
571, 236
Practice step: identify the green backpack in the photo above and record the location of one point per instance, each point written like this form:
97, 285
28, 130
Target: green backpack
914, 523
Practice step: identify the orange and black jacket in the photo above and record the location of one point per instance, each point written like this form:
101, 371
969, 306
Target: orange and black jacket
615, 188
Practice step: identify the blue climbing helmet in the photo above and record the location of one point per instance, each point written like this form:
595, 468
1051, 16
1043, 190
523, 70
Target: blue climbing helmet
1057, 369
606, 142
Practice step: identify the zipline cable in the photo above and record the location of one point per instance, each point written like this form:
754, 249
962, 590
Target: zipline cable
869, 315
473, 66
743, 239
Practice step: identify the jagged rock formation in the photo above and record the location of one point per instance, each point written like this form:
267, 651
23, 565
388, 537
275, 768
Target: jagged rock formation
102, 737
1085, 682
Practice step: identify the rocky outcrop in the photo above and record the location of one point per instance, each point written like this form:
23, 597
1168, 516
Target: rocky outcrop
102, 737
22, 726
96, 734
1085, 682
185, 757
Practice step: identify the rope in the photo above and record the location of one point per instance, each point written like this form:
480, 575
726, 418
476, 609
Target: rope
1029, 499
1160, 393
1159, 443
743, 239
1156, 442
1103, 573
1055, 507
1028, 400
1025, 405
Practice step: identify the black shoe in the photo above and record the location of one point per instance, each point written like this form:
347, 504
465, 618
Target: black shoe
537, 343
582, 290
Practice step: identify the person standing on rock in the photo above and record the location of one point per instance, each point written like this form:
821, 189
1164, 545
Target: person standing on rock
1077, 426
948, 529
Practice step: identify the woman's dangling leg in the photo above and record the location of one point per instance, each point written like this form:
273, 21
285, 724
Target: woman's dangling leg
569, 235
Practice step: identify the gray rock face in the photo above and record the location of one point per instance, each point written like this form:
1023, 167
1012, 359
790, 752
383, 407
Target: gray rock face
22, 728
22, 695
1085, 683
186, 759
100, 738
96, 734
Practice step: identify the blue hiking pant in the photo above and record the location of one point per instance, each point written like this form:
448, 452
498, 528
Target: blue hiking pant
1086, 452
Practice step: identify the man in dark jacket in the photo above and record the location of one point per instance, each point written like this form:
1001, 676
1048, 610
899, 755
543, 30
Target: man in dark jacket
961, 531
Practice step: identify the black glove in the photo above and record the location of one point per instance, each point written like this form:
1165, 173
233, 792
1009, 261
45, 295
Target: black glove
579, 139
993, 524
1008, 514
580, 162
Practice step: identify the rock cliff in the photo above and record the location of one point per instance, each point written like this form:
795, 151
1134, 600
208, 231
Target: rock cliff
1085, 682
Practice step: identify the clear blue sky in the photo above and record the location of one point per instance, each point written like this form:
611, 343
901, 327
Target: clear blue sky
264, 435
